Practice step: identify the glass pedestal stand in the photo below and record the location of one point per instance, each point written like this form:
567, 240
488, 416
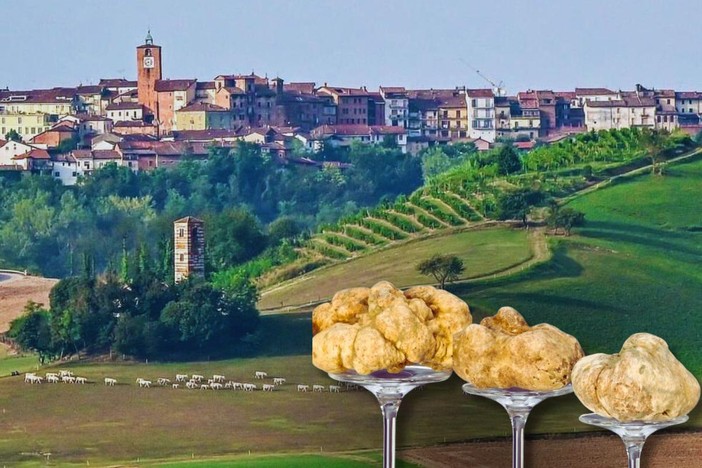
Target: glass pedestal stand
518, 403
633, 434
389, 389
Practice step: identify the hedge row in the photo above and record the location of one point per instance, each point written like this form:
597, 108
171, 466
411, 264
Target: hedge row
381, 230
435, 210
363, 236
348, 244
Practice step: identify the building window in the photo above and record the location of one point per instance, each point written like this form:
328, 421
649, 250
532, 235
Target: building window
74, 174
182, 257
57, 174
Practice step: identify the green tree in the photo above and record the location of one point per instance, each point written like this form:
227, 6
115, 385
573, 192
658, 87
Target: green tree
233, 237
32, 332
444, 268
12, 135
516, 204
284, 227
656, 142
566, 219
508, 161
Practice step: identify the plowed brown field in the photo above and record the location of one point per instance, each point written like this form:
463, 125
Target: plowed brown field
16, 290
676, 450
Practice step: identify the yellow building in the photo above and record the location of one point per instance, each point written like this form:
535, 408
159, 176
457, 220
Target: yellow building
27, 125
56, 101
203, 116
453, 115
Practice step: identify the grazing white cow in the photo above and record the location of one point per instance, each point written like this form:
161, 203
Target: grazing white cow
65, 373
334, 388
278, 381
216, 386
144, 383
68, 379
81, 380
175, 385
237, 386
197, 377
260, 375
110, 381
268, 387
50, 374
249, 387
303, 388
350, 386
181, 377
218, 378
29, 376
204, 387
318, 388
52, 379
163, 381
191, 385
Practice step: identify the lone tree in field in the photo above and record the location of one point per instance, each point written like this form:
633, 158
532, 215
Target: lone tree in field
444, 268
656, 142
566, 219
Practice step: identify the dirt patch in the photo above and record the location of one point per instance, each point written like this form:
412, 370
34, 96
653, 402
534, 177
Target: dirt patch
679, 450
16, 290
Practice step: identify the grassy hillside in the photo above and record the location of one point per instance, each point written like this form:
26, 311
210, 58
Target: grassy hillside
483, 252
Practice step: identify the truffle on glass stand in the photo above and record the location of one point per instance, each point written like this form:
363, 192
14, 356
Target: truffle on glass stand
389, 388
518, 403
633, 434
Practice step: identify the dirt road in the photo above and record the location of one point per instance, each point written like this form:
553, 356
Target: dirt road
662, 450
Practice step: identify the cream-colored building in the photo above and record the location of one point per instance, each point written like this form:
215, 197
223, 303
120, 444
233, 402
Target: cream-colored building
28, 125
630, 111
203, 116
55, 101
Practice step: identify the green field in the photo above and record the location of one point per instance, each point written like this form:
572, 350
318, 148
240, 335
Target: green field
483, 251
636, 266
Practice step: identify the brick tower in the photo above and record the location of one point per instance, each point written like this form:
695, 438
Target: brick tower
189, 247
148, 72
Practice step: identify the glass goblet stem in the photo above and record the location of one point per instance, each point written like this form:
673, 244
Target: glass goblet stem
518, 417
389, 405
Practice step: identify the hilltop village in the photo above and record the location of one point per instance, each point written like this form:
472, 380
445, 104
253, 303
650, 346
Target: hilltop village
154, 121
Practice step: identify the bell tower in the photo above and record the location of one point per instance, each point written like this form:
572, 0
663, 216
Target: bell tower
148, 72
189, 248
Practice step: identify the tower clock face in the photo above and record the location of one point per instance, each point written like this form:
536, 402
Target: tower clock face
148, 62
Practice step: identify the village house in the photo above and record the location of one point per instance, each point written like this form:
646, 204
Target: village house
629, 111
121, 111
9, 150
396, 106
352, 104
345, 135
202, 116
481, 113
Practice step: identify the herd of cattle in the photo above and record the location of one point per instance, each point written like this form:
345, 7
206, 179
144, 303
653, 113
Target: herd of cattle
192, 381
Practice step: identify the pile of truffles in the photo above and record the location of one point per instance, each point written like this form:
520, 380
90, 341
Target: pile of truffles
370, 329
505, 352
644, 382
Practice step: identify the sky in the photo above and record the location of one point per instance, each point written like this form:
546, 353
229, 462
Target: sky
526, 44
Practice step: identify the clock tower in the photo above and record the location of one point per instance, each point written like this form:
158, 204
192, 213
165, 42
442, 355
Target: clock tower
148, 72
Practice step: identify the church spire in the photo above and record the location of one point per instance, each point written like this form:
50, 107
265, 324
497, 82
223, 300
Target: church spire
149, 40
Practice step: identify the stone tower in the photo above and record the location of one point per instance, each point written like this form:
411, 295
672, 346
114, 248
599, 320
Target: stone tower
189, 247
148, 72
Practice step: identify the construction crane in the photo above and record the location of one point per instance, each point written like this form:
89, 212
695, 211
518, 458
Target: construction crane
498, 89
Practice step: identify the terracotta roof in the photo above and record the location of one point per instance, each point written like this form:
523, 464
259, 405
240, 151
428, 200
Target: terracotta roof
106, 154
2, 142
387, 130
524, 145
132, 123
569, 95
34, 154
344, 91
202, 107
205, 85
592, 91
188, 219
423, 105
89, 89
61, 127
165, 86
91, 118
626, 102
178, 148
43, 96
124, 106
307, 87
688, 95
117, 83
664, 93
453, 102
480, 93
233, 90
394, 90
203, 135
